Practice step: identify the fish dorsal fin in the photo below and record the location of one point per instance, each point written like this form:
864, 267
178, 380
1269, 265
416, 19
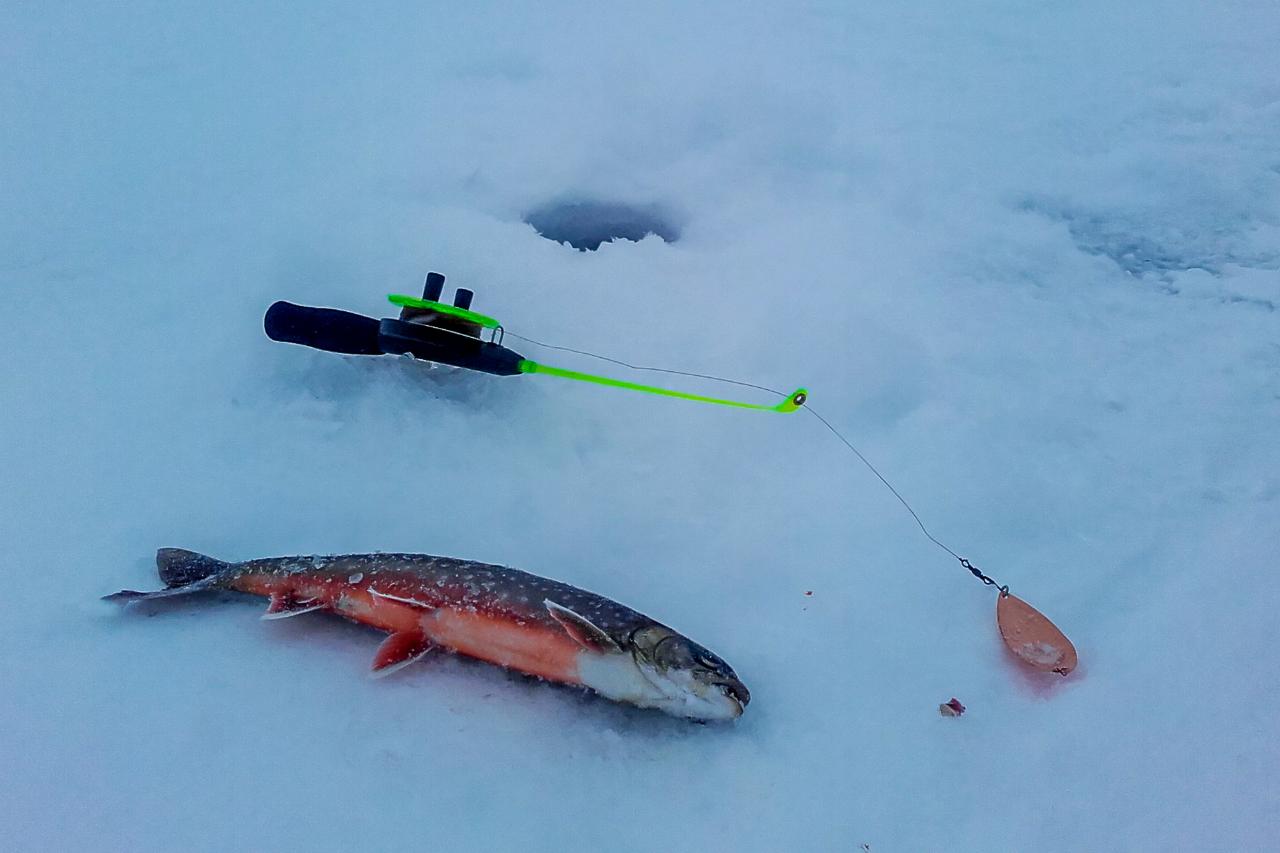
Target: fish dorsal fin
582, 629
398, 651
283, 605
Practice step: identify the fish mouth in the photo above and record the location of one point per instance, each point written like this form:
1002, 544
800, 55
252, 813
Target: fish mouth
737, 691
721, 700
726, 700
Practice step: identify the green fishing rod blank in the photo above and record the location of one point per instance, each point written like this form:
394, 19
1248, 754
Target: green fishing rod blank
794, 401
494, 358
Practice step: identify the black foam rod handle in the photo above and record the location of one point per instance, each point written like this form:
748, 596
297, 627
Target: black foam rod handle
322, 328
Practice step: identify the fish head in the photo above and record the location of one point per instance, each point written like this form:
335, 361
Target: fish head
688, 679
654, 667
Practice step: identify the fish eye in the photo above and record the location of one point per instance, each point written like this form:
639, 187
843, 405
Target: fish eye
711, 663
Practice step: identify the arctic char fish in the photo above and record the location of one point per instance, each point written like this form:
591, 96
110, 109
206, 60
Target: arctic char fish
511, 618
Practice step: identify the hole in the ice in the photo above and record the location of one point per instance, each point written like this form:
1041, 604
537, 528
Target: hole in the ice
586, 224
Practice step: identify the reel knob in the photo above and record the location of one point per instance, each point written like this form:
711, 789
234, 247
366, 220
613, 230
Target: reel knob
434, 287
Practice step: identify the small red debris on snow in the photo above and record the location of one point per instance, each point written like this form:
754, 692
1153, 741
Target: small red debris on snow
952, 708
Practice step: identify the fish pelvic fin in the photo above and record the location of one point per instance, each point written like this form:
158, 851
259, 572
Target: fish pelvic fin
398, 651
179, 567
583, 630
283, 605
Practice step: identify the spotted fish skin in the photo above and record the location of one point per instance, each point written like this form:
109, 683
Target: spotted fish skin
438, 582
531, 624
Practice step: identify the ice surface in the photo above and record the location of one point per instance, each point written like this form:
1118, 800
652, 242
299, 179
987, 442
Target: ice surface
1024, 254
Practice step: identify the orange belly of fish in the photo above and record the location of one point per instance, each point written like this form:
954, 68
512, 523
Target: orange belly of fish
503, 640
529, 648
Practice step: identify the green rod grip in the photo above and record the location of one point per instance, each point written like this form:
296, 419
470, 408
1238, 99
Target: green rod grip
794, 401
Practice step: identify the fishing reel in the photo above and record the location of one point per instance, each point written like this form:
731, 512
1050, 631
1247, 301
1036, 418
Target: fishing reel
426, 329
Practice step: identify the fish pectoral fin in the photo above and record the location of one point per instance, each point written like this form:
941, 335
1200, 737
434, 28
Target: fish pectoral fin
398, 651
283, 605
582, 629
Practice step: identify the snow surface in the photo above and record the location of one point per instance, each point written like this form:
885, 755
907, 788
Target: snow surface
1024, 254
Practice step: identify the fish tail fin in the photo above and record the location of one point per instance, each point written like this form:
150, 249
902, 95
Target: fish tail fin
179, 567
182, 572
126, 596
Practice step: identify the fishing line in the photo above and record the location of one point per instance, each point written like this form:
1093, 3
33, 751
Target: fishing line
974, 570
652, 369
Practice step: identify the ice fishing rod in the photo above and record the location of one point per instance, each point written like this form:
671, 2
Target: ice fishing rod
431, 330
